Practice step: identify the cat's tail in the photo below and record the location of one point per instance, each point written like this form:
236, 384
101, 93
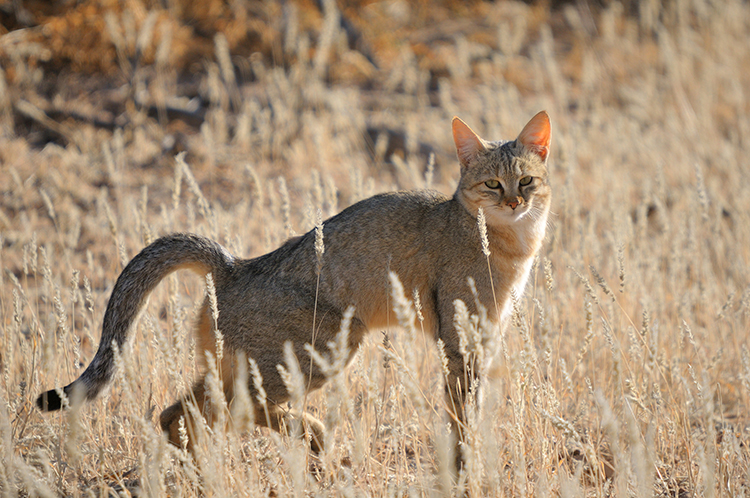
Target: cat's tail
137, 280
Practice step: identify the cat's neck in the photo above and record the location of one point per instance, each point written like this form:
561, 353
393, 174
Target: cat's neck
520, 239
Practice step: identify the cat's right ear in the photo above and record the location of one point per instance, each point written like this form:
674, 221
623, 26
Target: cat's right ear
468, 143
535, 135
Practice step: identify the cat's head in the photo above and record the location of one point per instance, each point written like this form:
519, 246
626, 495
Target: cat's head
508, 180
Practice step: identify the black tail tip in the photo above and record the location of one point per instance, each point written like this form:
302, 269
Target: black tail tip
49, 401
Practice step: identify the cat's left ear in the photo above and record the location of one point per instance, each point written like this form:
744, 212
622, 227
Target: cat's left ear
535, 135
468, 143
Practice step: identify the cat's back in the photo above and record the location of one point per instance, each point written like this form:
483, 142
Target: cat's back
380, 227
383, 226
409, 233
405, 206
404, 231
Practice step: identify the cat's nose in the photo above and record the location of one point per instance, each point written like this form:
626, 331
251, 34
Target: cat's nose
513, 203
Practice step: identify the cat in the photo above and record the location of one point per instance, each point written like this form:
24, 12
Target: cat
431, 242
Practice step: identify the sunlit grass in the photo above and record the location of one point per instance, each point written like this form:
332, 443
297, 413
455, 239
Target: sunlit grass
626, 371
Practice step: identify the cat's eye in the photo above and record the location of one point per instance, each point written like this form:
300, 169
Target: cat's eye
525, 181
494, 184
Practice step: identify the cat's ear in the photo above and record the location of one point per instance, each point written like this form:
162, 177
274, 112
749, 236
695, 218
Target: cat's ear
535, 135
468, 143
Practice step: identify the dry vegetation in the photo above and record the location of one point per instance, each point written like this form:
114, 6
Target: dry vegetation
627, 371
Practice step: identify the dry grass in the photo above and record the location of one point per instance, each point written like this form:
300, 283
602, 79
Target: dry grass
627, 371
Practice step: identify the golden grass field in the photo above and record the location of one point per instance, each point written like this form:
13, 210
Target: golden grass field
627, 370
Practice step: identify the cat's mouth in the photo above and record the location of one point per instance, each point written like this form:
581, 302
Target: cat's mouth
501, 214
514, 210
518, 213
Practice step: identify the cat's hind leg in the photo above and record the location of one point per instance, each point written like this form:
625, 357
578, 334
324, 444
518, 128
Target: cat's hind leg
288, 422
201, 402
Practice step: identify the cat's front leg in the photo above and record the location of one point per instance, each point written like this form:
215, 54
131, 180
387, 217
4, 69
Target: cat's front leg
461, 401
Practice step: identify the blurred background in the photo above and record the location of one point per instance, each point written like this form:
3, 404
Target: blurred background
247, 76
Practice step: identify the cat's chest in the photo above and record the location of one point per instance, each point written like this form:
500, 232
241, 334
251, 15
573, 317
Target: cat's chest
516, 278
519, 240
513, 260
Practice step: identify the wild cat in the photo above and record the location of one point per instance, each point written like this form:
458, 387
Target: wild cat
430, 241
